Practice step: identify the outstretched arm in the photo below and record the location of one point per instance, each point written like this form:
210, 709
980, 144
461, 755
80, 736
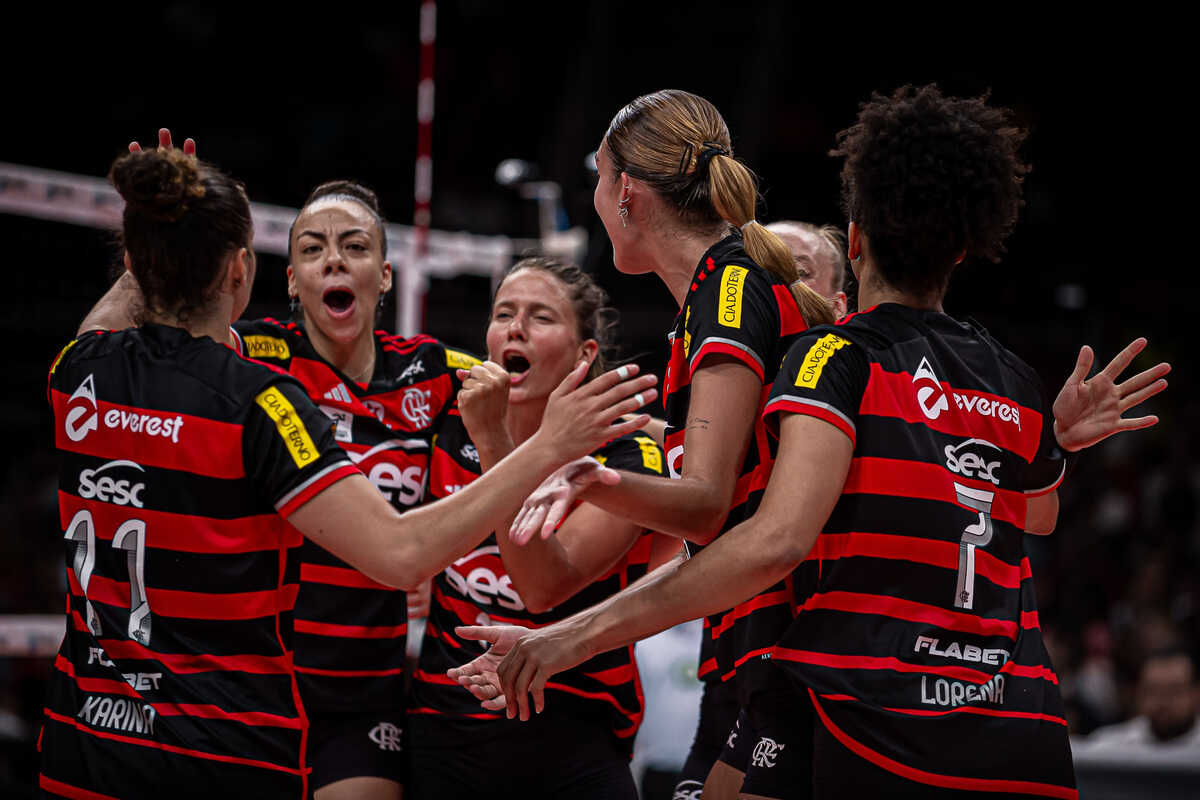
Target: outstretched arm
814, 458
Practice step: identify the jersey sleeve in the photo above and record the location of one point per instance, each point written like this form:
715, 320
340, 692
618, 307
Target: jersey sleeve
288, 446
823, 375
633, 453
1048, 468
731, 311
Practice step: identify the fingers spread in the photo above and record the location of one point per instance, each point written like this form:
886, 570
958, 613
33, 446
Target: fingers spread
629, 426
1083, 365
189, 147
1129, 401
573, 379
164, 139
557, 511
484, 633
1122, 359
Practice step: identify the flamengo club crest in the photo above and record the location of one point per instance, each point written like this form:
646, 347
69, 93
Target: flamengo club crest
386, 735
765, 752
415, 407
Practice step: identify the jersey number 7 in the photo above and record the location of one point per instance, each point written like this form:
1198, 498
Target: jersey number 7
977, 534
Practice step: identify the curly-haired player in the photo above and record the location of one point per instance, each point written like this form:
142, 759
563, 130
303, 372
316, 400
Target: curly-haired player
915, 452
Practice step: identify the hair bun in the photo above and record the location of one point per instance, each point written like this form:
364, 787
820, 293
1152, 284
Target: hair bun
157, 183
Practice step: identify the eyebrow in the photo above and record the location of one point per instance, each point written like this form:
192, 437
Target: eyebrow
534, 306
343, 235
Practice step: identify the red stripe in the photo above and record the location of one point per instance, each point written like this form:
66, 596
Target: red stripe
744, 659
986, 712
708, 666
197, 445
198, 605
436, 712
893, 394
1037, 672
250, 762
434, 677
902, 478
791, 321
351, 673
350, 631
832, 546
791, 407
1029, 620
1026, 569
316, 487
877, 662
203, 710
898, 608
710, 347
338, 576
615, 676
605, 696
935, 779
765, 600
73, 792
185, 532
183, 663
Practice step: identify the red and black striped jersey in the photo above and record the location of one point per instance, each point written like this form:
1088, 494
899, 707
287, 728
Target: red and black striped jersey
179, 462
350, 630
917, 630
477, 590
734, 308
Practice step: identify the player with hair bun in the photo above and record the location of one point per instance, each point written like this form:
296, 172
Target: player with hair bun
188, 476
915, 453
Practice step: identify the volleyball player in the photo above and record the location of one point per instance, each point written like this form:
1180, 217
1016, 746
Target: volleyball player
921, 451
187, 475
820, 253
384, 394
546, 315
674, 201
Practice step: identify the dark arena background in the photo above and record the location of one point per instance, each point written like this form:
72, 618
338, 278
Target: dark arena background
288, 99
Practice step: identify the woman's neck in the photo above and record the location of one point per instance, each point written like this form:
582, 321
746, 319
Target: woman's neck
873, 290
354, 359
214, 324
523, 419
674, 257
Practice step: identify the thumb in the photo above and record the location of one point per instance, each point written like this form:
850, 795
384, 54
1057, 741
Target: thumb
462, 373
482, 633
608, 477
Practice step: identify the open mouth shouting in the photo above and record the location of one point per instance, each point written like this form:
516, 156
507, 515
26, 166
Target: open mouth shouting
517, 367
339, 302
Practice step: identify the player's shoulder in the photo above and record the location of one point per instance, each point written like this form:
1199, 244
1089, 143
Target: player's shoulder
421, 355
269, 338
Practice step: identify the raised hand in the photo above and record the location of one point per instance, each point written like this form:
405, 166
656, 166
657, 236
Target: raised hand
483, 400
164, 143
1088, 410
551, 501
578, 419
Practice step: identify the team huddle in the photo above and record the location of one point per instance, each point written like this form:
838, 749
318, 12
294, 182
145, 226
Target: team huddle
252, 509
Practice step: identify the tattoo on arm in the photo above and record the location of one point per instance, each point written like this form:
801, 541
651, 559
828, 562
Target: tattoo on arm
698, 423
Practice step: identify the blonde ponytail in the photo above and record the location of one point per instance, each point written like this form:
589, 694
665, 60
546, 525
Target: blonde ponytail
733, 191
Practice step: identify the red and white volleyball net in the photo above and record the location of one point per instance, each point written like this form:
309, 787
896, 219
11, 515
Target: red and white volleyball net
93, 202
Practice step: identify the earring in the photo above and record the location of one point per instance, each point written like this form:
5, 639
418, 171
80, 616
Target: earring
382, 298
293, 303
623, 213
857, 258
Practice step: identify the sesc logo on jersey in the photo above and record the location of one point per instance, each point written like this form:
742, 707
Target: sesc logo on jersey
299, 444
459, 360
651, 455
729, 304
816, 359
267, 347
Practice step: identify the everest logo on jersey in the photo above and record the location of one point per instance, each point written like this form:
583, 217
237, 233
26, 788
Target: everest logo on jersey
82, 416
931, 397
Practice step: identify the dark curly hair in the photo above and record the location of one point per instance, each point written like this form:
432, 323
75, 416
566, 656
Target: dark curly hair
594, 318
182, 217
931, 179
347, 190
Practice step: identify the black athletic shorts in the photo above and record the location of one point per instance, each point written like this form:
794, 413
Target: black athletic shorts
356, 746
555, 755
736, 752
718, 715
776, 745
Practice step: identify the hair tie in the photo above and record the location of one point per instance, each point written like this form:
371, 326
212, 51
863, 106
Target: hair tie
710, 149
751, 222
796, 283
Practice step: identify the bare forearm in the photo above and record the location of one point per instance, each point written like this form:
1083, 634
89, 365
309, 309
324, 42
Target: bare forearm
689, 508
115, 310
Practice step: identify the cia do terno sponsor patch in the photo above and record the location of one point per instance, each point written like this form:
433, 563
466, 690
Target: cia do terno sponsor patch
299, 444
729, 304
267, 347
817, 357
